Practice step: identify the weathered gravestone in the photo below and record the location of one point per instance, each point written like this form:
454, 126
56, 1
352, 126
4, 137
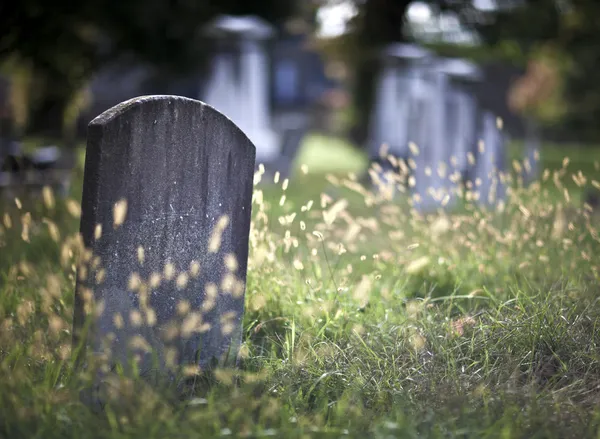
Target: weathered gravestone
399, 104
452, 128
461, 124
165, 219
431, 190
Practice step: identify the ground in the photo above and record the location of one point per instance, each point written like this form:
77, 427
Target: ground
362, 318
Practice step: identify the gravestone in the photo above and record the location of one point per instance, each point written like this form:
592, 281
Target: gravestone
532, 149
165, 222
446, 131
431, 182
291, 141
397, 89
27, 173
431, 136
397, 111
238, 82
456, 135
298, 86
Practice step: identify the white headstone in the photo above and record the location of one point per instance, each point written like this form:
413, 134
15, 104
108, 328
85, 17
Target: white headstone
402, 70
460, 125
398, 108
490, 162
166, 211
238, 85
462, 75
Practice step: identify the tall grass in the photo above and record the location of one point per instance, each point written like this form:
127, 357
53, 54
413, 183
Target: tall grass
364, 318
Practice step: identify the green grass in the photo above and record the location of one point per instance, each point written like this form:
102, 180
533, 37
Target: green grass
322, 154
381, 324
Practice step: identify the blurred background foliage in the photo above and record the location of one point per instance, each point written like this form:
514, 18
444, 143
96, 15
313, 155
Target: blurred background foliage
59, 46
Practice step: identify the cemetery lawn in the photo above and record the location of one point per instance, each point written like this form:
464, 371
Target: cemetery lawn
362, 320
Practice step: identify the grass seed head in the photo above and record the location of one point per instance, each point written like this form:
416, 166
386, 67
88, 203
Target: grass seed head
48, 197
119, 213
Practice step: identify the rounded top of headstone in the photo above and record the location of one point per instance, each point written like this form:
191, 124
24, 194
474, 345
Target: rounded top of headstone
410, 52
460, 69
248, 26
153, 103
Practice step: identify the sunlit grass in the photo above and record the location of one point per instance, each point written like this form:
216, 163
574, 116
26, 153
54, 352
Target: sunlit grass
364, 318
325, 154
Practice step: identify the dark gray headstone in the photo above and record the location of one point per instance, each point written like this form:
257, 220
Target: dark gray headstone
170, 295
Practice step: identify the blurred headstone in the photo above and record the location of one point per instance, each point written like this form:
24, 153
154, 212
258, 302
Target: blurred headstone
461, 121
5, 119
446, 132
165, 222
490, 162
22, 172
395, 109
462, 111
238, 82
532, 150
297, 90
433, 142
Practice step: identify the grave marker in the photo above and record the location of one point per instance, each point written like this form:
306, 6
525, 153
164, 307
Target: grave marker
238, 83
460, 124
402, 71
165, 218
434, 148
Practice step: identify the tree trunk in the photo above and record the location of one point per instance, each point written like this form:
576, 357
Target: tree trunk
380, 23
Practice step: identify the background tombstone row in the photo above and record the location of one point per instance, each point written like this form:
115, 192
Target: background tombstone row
420, 98
429, 101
